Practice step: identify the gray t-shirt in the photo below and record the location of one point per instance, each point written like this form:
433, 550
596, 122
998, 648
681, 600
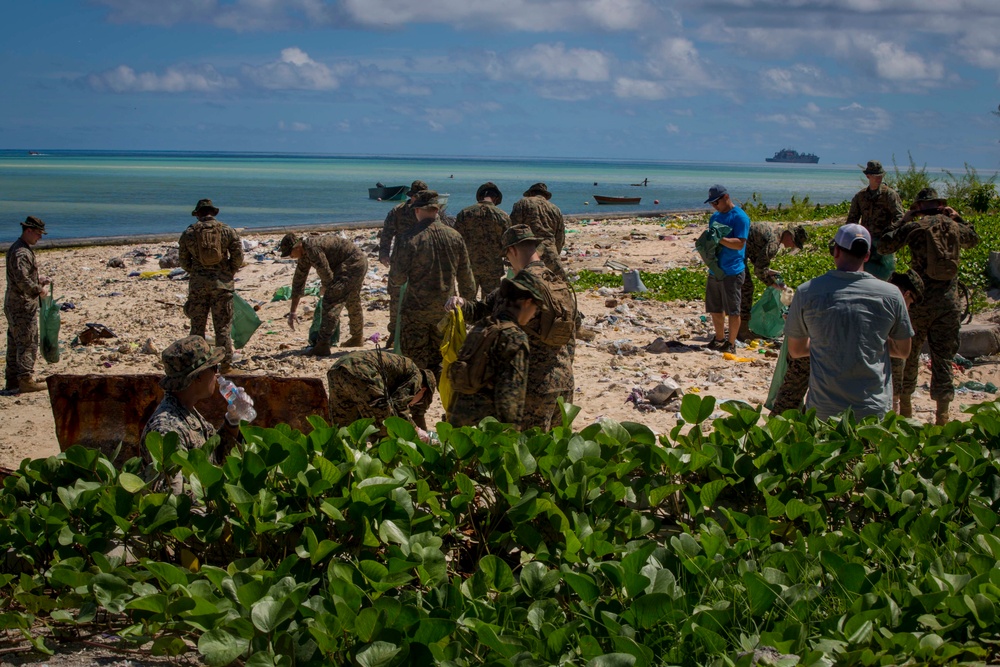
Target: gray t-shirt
848, 317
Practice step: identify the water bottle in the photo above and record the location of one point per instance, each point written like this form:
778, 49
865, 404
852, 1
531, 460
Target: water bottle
240, 403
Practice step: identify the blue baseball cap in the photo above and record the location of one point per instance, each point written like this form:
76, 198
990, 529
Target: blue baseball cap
715, 193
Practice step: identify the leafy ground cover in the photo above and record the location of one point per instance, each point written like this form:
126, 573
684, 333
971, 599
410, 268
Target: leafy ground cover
832, 543
688, 284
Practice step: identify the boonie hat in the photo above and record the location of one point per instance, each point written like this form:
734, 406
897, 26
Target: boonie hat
799, 235
848, 235
489, 189
204, 204
909, 282
415, 187
184, 359
517, 234
31, 222
426, 199
286, 244
519, 283
538, 189
930, 195
874, 168
715, 193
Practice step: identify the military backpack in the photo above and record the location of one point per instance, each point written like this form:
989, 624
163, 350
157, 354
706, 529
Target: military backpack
556, 321
208, 244
472, 370
943, 239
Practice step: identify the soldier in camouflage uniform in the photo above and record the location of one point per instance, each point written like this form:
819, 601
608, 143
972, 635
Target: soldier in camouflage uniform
912, 287
431, 260
20, 305
878, 209
481, 226
376, 384
937, 318
398, 222
190, 368
763, 244
550, 367
342, 267
503, 397
546, 221
211, 286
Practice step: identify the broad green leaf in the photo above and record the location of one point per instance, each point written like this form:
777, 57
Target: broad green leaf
711, 491
583, 585
537, 580
612, 660
220, 647
761, 593
377, 654
695, 409
498, 574
131, 483
268, 614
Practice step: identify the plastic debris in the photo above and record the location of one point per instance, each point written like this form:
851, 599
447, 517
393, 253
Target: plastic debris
972, 385
732, 357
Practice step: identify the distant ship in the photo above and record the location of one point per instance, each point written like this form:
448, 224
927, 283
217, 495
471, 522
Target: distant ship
788, 155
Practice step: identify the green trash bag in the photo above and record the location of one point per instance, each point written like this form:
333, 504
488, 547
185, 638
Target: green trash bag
49, 321
317, 321
767, 317
880, 266
780, 368
708, 246
283, 293
245, 321
399, 319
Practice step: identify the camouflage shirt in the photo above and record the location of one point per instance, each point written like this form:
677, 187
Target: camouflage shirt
398, 221
431, 259
763, 244
878, 211
546, 221
378, 384
332, 256
481, 226
897, 238
221, 275
191, 428
504, 398
23, 288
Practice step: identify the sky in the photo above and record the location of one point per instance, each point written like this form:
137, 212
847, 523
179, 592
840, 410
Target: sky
665, 80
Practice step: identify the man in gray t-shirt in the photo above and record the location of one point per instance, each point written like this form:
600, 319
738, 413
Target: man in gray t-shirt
849, 324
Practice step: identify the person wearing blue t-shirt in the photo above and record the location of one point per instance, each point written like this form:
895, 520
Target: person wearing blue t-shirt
722, 295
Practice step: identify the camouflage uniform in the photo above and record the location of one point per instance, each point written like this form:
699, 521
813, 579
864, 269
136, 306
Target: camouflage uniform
374, 384
763, 244
504, 398
20, 305
400, 220
546, 221
481, 226
878, 211
937, 318
550, 367
211, 288
793, 387
430, 261
341, 266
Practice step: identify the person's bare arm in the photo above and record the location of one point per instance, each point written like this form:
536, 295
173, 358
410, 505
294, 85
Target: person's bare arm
733, 242
798, 348
899, 348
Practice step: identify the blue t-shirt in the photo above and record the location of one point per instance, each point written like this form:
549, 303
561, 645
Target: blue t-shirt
732, 261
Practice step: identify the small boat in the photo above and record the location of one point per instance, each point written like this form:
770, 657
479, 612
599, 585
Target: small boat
34, 154
601, 199
388, 192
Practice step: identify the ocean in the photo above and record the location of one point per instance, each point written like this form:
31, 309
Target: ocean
83, 194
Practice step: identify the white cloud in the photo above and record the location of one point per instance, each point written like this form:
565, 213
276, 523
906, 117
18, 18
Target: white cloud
797, 120
294, 126
554, 62
866, 120
672, 129
239, 16
294, 70
639, 89
124, 79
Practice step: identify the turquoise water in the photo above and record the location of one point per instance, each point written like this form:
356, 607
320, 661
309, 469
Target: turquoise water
87, 194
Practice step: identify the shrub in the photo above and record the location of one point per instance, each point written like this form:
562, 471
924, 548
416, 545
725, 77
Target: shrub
969, 193
907, 184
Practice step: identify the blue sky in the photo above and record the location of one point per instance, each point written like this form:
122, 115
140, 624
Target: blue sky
703, 80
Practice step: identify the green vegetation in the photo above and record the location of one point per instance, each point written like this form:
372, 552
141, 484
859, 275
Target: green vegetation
688, 284
871, 543
970, 193
797, 210
907, 184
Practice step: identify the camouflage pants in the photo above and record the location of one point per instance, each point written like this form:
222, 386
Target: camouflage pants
547, 251
349, 399
420, 340
746, 295
540, 410
937, 321
487, 276
22, 343
345, 290
794, 387
219, 303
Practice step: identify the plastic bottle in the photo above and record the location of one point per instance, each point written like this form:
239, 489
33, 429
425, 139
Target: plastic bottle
240, 403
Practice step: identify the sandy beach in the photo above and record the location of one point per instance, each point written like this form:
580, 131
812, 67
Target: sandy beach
146, 315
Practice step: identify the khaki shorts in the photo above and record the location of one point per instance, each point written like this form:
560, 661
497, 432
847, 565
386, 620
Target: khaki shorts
723, 296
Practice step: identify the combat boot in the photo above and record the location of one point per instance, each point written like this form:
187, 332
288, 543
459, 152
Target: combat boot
745, 334
320, 350
353, 341
905, 405
943, 412
27, 385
